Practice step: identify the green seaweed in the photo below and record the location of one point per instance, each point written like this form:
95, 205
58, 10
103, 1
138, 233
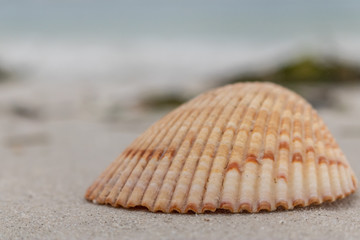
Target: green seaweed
4, 75
313, 78
306, 70
163, 101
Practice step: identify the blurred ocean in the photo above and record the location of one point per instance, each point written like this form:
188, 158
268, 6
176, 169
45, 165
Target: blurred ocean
168, 43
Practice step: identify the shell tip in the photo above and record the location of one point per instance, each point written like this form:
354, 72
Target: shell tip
176, 208
328, 199
282, 204
299, 203
227, 206
314, 200
192, 207
245, 207
264, 206
209, 207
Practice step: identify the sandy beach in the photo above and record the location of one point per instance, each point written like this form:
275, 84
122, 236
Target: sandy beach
53, 146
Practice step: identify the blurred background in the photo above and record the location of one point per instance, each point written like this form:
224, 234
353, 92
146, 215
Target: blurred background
113, 67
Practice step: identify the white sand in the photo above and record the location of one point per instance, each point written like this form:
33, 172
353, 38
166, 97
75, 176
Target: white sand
47, 164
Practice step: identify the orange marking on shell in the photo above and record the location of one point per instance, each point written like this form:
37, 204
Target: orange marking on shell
134, 152
233, 165
155, 154
297, 139
269, 155
140, 152
147, 153
282, 176
323, 160
297, 157
192, 140
252, 158
337, 162
310, 150
334, 162
127, 152
171, 152
284, 145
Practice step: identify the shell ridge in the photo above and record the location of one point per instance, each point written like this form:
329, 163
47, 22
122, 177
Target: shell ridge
195, 153
123, 174
275, 151
268, 154
217, 192
168, 150
224, 153
270, 111
241, 203
311, 176
343, 180
266, 200
282, 164
238, 112
90, 190
151, 192
192, 133
277, 154
119, 162
336, 189
112, 166
326, 192
157, 154
253, 150
342, 164
299, 160
232, 159
290, 188
165, 154
220, 123
109, 173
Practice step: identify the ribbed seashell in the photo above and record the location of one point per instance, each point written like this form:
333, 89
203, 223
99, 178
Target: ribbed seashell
243, 147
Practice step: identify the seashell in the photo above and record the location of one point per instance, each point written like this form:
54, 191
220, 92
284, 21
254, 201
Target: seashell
243, 147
